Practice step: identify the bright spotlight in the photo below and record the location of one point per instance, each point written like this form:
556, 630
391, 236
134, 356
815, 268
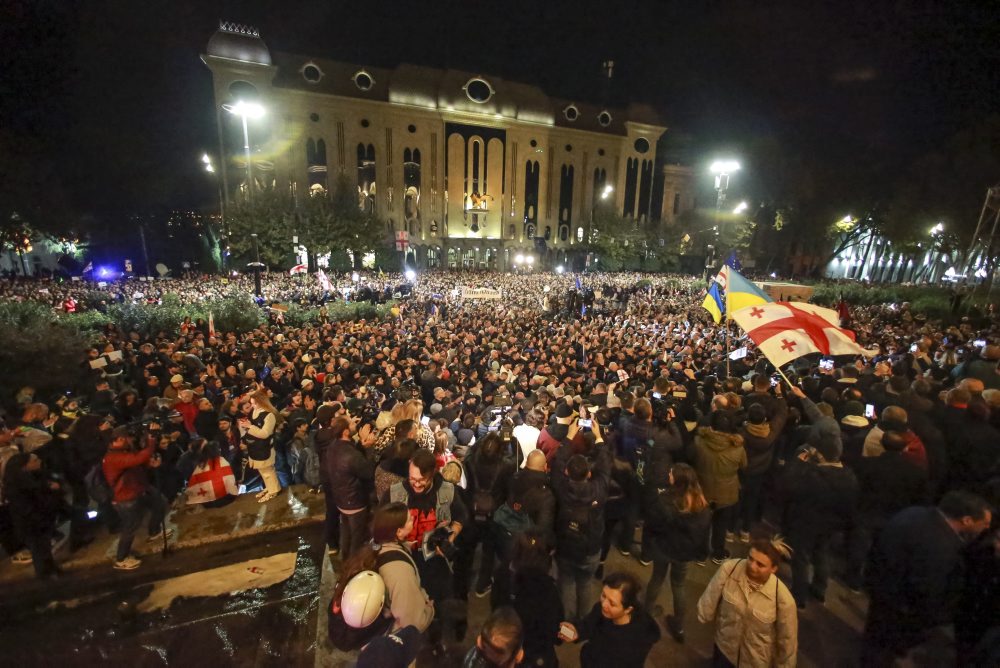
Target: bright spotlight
560, 269
518, 259
355, 276
205, 159
410, 275
725, 166
248, 109
740, 208
530, 259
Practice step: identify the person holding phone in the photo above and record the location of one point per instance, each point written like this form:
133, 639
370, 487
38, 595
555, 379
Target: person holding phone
617, 631
257, 432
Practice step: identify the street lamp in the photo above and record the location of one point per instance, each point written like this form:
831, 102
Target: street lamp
608, 189
246, 110
722, 169
740, 208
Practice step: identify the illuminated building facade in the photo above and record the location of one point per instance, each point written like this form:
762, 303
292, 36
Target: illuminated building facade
470, 169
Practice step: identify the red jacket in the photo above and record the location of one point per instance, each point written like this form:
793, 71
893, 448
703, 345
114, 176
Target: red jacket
126, 472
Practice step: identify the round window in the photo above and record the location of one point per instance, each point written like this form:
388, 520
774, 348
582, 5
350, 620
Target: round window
641, 145
571, 113
363, 80
604, 118
312, 73
534, 143
569, 147
600, 151
365, 123
478, 90
411, 128
313, 117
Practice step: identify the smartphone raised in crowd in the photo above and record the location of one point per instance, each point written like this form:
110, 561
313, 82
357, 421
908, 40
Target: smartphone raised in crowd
584, 424
870, 411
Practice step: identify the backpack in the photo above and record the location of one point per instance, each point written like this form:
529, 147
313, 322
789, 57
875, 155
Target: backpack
347, 638
509, 520
97, 485
574, 527
309, 462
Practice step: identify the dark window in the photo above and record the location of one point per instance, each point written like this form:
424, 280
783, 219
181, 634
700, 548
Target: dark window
631, 186
563, 233
566, 195
243, 90
478, 90
531, 174
569, 147
365, 123
311, 73
600, 151
641, 145
571, 113
604, 118
677, 203
314, 117
534, 143
411, 128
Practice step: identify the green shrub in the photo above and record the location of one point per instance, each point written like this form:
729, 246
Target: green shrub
39, 348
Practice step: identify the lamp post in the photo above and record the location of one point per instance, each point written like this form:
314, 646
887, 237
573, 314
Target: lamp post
256, 266
246, 110
206, 160
722, 169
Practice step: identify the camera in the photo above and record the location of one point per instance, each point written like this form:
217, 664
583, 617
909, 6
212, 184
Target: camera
438, 540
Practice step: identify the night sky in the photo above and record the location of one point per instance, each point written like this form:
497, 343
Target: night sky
117, 98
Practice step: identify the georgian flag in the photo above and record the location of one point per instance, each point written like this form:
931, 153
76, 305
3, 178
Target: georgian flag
211, 481
785, 331
298, 269
324, 282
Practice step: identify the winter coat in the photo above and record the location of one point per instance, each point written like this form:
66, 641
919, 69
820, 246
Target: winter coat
888, 484
580, 516
718, 459
126, 472
349, 473
759, 439
675, 535
409, 604
817, 498
533, 491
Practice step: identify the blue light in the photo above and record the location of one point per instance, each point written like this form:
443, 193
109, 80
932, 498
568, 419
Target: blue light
104, 272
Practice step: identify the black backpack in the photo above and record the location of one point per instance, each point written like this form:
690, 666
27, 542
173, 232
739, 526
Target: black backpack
575, 526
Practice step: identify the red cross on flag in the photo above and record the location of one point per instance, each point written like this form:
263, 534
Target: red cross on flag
211, 481
785, 331
402, 240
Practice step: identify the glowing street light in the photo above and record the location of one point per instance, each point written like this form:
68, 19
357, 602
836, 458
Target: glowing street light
725, 167
410, 275
740, 208
530, 259
560, 269
608, 189
518, 259
246, 110
937, 229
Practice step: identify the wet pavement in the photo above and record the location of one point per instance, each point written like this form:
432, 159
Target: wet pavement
270, 626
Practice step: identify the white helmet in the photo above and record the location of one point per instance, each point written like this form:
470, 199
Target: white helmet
363, 599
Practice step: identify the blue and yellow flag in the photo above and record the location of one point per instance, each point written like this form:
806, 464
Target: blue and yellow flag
713, 303
741, 293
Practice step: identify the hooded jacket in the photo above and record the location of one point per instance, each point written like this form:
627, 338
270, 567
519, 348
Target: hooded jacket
759, 439
581, 498
719, 457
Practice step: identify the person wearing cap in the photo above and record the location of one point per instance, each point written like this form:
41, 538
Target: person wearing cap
133, 495
173, 390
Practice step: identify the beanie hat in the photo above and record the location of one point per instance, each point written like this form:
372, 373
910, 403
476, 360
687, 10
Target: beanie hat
325, 413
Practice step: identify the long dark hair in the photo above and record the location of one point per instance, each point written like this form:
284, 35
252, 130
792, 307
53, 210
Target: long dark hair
686, 490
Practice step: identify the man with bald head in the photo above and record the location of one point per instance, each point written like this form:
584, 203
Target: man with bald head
894, 418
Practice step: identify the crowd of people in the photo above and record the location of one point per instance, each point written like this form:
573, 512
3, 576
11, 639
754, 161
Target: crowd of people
539, 430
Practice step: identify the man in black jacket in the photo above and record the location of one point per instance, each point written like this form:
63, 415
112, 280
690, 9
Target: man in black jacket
350, 475
582, 491
915, 573
888, 484
819, 497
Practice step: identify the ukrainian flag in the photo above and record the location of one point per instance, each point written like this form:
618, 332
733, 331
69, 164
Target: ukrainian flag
741, 293
713, 303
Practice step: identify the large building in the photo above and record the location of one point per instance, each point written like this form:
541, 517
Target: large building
470, 169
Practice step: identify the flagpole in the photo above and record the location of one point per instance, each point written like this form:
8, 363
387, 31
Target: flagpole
778, 369
725, 322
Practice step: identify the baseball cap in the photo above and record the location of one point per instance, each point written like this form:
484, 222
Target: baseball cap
396, 650
177, 378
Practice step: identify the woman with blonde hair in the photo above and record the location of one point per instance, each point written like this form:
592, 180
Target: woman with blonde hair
258, 441
407, 410
678, 521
